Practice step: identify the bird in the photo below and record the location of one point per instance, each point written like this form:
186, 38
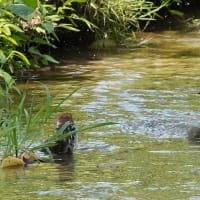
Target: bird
66, 145
194, 135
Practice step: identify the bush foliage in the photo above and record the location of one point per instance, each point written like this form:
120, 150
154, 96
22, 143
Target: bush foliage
29, 27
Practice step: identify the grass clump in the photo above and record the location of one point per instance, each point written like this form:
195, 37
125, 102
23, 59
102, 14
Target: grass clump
118, 19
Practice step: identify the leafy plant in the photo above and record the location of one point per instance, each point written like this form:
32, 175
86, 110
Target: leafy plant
28, 32
9, 54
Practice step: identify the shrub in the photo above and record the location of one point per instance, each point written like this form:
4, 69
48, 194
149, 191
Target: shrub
28, 31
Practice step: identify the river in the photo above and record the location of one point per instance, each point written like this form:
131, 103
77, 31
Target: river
153, 95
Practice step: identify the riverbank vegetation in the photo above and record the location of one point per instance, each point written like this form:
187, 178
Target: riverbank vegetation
29, 30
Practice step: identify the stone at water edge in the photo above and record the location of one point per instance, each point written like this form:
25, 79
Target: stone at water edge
26, 158
11, 161
29, 157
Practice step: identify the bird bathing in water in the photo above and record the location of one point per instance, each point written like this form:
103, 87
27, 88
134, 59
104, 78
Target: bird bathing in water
66, 145
194, 135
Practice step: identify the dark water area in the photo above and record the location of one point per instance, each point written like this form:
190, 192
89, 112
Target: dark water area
153, 95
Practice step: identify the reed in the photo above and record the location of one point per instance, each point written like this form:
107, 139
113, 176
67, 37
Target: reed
21, 124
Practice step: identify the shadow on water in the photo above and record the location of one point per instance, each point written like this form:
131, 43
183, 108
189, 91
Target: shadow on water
153, 94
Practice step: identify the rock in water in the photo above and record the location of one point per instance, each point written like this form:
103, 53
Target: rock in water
11, 161
30, 157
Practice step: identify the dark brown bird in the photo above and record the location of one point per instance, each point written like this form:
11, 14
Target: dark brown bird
68, 144
194, 135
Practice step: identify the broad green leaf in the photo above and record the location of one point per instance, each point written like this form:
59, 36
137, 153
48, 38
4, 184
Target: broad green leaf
21, 10
49, 58
31, 3
34, 50
3, 58
48, 26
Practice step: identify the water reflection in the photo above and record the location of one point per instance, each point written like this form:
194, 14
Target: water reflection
10, 175
65, 165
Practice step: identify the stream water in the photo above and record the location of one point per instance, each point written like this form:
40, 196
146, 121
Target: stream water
153, 95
